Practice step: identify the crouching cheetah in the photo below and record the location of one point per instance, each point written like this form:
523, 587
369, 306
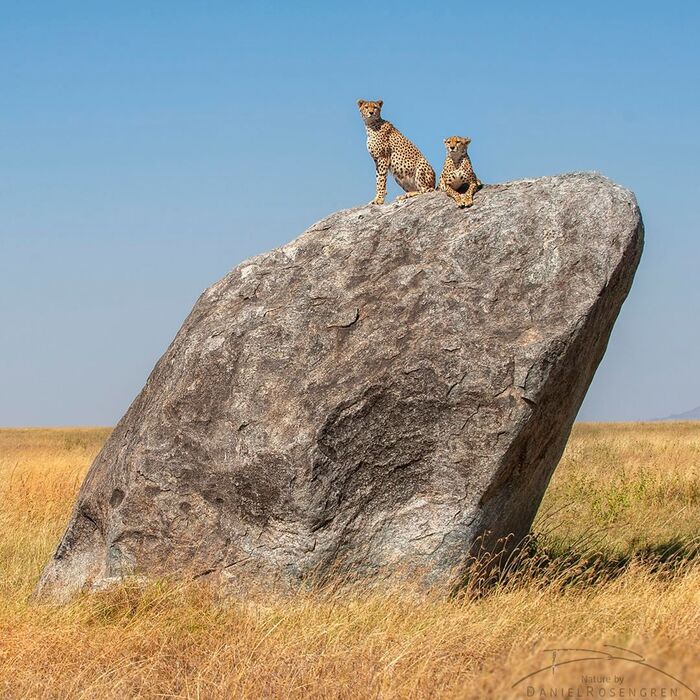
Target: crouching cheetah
457, 178
392, 151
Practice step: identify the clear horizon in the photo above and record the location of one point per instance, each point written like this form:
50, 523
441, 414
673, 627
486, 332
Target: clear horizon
148, 149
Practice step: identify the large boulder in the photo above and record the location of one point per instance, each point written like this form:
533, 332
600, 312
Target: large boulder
372, 397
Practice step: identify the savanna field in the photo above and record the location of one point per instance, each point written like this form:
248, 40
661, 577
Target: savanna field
613, 561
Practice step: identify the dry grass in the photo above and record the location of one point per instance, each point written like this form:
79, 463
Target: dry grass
615, 563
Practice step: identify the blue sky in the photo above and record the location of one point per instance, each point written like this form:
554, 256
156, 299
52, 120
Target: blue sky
148, 147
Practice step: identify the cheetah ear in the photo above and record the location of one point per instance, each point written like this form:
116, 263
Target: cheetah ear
380, 103
360, 103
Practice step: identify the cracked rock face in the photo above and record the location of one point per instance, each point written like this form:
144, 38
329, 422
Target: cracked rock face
372, 397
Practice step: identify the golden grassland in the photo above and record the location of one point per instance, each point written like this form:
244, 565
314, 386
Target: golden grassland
614, 561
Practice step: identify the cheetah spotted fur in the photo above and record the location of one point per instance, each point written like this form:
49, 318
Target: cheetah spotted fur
393, 152
457, 178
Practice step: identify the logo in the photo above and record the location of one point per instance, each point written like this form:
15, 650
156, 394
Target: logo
619, 673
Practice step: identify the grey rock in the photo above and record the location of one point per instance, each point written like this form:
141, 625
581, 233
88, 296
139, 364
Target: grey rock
373, 397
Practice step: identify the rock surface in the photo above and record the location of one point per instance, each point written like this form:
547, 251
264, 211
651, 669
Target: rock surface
373, 396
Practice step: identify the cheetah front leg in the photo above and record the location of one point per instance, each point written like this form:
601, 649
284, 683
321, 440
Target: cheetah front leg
451, 192
382, 170
467, 199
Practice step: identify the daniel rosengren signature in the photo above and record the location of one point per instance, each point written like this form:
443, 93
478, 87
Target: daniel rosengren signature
583, 654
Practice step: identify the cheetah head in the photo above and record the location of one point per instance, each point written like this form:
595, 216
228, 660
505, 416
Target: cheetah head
457, 147
371, 111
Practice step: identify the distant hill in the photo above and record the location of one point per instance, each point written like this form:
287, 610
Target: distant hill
688, 415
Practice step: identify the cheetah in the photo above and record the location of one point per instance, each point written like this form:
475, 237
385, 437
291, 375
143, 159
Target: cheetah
392, 151
457, 178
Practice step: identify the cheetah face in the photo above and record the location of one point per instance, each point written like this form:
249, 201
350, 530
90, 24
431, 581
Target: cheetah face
371, 111
456, 147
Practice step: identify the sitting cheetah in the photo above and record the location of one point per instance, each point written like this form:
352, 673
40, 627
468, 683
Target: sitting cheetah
392, 151
457, 177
